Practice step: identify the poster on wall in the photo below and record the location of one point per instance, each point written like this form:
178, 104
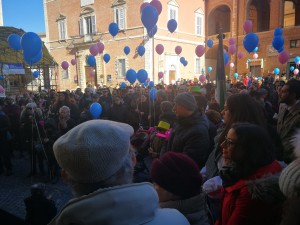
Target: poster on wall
13, 68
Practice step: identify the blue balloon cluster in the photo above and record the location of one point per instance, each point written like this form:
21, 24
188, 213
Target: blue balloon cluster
149, 17
14, 41
183, 61
113, 29
152, 31
32, 46
142, 76
250, 42
172, 25
106, 58
126, 50
141, 50
131, 76
95, 110
35, 74
123, 85
278, 40
276, 71
152, 94
210, 43
91, 60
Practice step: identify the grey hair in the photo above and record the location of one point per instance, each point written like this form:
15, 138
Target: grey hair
123, 176
64, 108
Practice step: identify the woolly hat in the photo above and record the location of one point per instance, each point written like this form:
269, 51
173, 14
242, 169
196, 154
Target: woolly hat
93, 151
289, 180
31, 105
177, 173
187, 100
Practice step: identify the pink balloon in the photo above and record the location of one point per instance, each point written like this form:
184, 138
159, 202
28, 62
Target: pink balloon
65, 65
160, 75
73, 62
92, 73
255, 56
232, 41
143, 6
200, 50
178, 50
94, 50
283, 57
157, 5
298, 63
100, 47
202, 78
159, 49
231, 65
148, 80
232, 49
247, 26
296, 71
240, 55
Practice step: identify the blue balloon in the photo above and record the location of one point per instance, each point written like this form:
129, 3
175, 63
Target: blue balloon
152, 31
185, 63
278, 42
255, 50
278, 32
292, 68
152, 93
141, 50
236, 75
31, 43
249, 60
33, 60
276, 71
113, 29
226, 58
210, 43
142, 75
14, 41
297, 59
131, 76
1, 77
106, 58
149, 17
151, 84
126, 50
281, 49
182, 59
36, 74
91, 60
146, 84
95, 110
123, 85
172, 25
209, 69
250, 41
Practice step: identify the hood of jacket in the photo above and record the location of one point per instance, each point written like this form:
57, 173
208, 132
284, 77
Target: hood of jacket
132, 204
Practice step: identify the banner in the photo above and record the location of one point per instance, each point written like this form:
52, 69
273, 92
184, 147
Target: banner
11, 68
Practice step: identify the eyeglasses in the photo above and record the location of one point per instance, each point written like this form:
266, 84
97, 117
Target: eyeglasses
229, 142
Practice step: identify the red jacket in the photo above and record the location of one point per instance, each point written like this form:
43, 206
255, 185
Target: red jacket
240, 208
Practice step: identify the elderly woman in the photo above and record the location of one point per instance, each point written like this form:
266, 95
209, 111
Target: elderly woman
251, 192
65, 123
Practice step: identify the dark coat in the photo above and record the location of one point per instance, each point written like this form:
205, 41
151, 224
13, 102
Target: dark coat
119, 113
190, 135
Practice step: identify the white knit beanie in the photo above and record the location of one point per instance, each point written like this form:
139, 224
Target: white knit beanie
93, 151
289, 181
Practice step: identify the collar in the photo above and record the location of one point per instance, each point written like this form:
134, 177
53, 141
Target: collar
293, 106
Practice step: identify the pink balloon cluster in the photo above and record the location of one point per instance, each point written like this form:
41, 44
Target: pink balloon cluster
248, 26
65, 65
178, 50
283, 57
94, 50
100, 47
160, 75
155, 3
232, 49
159, 49
200, 50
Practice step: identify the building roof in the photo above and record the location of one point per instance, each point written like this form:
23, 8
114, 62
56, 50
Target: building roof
9, 55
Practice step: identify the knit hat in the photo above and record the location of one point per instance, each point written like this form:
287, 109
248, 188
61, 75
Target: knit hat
31, 105
187, 100
177, 173
93, 151
289, 180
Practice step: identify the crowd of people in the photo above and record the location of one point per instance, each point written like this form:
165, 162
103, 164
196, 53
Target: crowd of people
176, 158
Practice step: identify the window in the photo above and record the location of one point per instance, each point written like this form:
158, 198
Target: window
173, 10
65, 74
197, 66
62, 29
121, 67
295, 43
86, 2
87, 25
120, 13
199, 17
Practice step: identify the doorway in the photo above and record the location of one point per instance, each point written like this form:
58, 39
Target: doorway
89, 78
172, 76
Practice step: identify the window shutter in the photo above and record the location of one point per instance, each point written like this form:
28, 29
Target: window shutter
198, 28
59, 30
93, 24
81, 31
63, 29
172, 14
122, 19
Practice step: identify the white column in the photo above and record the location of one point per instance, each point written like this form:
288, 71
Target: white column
1, 16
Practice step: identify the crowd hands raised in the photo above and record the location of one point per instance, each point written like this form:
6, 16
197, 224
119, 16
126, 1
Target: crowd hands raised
208, 164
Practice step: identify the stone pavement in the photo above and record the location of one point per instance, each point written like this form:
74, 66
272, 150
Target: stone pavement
14, 189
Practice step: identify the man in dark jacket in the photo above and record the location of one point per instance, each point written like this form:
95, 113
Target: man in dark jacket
190, 133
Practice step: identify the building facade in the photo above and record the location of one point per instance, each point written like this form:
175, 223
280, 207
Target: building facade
266, 15
73, 26
1, 15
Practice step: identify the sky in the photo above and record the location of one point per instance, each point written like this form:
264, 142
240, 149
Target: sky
25, 14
